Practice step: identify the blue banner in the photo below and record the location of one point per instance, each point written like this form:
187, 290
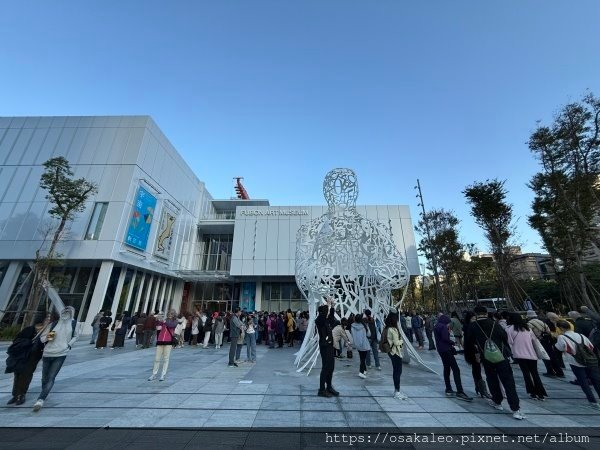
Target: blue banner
141, 219
247, 300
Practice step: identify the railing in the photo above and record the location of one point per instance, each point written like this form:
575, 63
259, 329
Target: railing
229, 215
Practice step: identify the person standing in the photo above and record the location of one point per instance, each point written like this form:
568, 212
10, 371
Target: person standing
290, 327
235, 330
360, 339
180, 330
580, 355
521, 341
326, 350
24, 354
219, 326
105, 322
120, 328
373, 340
417, 327
149, 330
59, 337
302, 326
473, 358
195, 330
446, 350
96, 327
457, 330
429, 326
409, 330
250, 338
392, 334
139, 330
207, 326
543, 334
164, 345
494, 357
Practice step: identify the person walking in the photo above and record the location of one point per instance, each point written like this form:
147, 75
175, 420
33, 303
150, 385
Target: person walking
96, 327
164, 344
235, 330
394, 341
429, 326
219, 327
360, 338
326, 388
473, 358
580, 354
492, 343
59, 337
105, 322
24, 354
446, 350
373, 340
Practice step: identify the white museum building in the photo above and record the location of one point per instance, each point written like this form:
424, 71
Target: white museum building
152, 237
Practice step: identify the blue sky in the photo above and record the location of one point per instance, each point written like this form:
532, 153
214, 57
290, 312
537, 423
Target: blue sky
280, 92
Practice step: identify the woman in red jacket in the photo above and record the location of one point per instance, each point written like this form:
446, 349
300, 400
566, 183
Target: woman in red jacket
164, 344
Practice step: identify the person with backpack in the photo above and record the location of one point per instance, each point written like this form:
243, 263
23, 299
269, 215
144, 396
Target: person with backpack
373, 340
59, 337
594, 336
543, 334
523, 343
446, 350
105, 322
24, 354
391, 343
360, 338
579, 353
491, 342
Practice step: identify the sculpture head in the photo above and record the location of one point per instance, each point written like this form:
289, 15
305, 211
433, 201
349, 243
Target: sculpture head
340, 188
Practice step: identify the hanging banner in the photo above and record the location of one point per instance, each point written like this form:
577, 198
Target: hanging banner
164, 237
141, 219
247, 300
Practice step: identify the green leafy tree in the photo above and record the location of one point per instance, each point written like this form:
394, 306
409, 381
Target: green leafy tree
566, 206
67, 197
494, 215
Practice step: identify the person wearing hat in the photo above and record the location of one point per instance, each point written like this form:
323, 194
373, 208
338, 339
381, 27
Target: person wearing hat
542, 332
326, 349
373, 340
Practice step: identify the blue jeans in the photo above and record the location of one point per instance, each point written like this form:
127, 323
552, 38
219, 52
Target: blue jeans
95, 331
238, 351
50, 368
250, 346
375, 351
582, 374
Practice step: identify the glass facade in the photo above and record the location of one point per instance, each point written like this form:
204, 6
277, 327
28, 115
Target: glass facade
96, 221
278, 297
215, 252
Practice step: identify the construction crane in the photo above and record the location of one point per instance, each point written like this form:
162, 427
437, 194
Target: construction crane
240, 190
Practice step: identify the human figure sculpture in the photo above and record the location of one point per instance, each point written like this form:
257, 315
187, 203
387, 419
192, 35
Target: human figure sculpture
347, 258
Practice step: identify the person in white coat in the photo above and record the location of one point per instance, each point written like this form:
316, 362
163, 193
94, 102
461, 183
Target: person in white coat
360, 337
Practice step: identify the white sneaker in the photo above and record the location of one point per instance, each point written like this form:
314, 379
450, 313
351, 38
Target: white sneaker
38, 405
162, 378
495, 405
152, 377
378, 368
400, 396
518, 415
362, 375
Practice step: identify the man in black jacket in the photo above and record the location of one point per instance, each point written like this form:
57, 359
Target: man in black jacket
322, 323
478, 333
372, 340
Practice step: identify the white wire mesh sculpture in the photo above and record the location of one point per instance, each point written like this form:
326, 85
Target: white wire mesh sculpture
349, 258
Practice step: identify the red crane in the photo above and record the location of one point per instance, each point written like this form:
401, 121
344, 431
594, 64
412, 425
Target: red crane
240, 190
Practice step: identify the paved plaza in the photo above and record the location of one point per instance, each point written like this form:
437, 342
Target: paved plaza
99, 388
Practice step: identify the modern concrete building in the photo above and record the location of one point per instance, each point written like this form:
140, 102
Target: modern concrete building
152, 237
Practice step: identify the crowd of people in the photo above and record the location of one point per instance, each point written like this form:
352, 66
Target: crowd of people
491, 343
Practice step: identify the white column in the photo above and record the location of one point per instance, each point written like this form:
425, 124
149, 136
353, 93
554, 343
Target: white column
98, 295
8, 284
258, 296
154, 298
148, 292
166, 294
118, 292
177, 295
138, 295
129, 292
161, 294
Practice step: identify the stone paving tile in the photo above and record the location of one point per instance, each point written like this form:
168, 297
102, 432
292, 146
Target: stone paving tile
393, 405
237, 418
368, 419
319, 419
277, 419
414, 420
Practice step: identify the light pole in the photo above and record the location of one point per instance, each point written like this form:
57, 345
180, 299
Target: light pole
432, 255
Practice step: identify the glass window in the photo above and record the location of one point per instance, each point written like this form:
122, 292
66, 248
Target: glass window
82, 280
95, 226
266, 293
275, 291
286, 290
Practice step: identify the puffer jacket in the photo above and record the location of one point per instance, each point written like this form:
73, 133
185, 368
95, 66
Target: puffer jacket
360, 335
442, 335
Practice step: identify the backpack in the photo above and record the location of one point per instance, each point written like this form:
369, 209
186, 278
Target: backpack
491, 352
384, 345
583, 355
